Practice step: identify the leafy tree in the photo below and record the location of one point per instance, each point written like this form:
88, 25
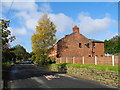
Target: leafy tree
5, 39
6, 34
44, 38
20, 52
32, 56
112, 46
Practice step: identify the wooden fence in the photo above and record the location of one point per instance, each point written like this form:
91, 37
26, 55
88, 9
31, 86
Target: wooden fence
105, 60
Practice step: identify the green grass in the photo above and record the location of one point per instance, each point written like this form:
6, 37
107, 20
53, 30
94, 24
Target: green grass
62, 64
91, 66
6, 65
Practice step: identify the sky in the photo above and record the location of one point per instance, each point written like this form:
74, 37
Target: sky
96, 20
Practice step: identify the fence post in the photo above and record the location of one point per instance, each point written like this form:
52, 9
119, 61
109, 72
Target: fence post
60, 60
113, 59
73, 60
56, 60
83, 60
66, 60
95, 60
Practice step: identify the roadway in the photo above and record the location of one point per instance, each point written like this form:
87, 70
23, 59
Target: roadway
31, 76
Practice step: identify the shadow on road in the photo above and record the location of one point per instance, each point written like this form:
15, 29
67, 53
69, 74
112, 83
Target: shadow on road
27, 71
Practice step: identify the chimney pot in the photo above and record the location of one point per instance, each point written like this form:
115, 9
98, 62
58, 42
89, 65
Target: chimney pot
76, 29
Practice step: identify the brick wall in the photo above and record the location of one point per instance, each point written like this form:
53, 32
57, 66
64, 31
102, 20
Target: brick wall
104, 60
98, 49
69, 46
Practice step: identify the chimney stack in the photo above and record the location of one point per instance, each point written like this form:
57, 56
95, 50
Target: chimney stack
75, 29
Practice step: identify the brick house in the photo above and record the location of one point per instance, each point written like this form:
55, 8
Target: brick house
76, 45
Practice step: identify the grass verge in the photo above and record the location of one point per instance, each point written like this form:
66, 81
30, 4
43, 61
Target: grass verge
91, 66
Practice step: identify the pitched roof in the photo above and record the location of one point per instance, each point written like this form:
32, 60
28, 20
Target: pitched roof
93, 40
64, 37
96, 41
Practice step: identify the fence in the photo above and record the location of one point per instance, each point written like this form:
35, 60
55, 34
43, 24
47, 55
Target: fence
105, 60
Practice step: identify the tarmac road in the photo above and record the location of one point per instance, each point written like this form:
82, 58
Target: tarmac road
31, 76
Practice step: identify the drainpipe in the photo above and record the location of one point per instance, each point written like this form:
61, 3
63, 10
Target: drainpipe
92, 49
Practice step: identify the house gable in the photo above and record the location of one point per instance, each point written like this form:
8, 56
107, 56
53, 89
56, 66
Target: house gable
77, 45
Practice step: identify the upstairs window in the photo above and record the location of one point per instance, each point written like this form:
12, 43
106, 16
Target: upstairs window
80, 45
88, 45
94, 45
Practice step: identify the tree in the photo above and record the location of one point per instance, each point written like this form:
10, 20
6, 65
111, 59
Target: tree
32, 56
5, 39
20, 52
44, 38
112, 46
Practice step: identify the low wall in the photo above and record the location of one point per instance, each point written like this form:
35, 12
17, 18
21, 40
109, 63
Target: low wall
108, 77
105, 60
105, 77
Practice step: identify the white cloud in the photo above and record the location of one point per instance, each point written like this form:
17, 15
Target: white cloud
28, 14
21, 31
30, 20
62, 22
17, 31
45, 8
89, 25
20, 6
110, 35
9, 28
62, 0
18, 0
18, 41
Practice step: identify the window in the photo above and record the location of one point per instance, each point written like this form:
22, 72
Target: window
88, 45
94, 45
89, 55
80, 46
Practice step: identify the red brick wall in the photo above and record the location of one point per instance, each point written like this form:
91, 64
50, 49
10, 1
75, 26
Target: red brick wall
69, 46
53, 52
98, 49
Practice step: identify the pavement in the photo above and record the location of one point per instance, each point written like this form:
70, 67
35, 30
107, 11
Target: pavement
31, 76
1, 84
